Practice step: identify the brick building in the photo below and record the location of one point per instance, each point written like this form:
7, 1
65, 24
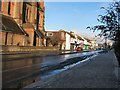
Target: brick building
11, 33
22, 23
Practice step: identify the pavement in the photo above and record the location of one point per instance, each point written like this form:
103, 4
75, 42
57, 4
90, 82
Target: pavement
41, 52
101, 71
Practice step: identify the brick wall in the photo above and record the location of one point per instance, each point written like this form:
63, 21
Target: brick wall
12, 39
30, 32
37, 41
4, 8
41, 23
16, 12
9, 39
18, 40
2, 36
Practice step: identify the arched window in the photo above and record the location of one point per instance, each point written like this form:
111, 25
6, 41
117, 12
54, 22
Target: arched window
26, 12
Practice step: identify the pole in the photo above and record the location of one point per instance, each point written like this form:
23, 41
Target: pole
105, 42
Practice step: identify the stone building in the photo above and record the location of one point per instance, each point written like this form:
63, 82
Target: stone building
26, 21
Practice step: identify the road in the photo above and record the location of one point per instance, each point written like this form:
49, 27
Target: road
19, 70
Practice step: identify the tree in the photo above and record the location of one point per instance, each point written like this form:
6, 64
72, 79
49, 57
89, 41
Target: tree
110, 25
109, 22
54, 40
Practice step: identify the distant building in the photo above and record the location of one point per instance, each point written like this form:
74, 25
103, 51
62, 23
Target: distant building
77, 41
94, 45
56, 39
89, 44
22, 23
63, 40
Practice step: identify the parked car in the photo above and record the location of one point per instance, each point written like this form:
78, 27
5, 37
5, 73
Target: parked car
79, 49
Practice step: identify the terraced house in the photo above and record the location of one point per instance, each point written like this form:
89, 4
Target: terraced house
22, 23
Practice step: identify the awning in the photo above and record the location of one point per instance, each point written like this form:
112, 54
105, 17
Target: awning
9, 25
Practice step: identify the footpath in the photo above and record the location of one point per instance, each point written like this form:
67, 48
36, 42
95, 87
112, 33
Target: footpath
101, 71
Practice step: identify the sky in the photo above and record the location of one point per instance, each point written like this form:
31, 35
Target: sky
73, 16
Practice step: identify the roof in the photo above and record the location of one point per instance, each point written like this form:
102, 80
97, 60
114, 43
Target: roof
87, 39
68, 33
71, 35
9, 25
51, 31
40, 34
61, 31
80, 38
2, 26
24, 31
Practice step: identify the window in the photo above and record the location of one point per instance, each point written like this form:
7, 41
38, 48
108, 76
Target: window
50, 34
9, 8
27, 13
24, 12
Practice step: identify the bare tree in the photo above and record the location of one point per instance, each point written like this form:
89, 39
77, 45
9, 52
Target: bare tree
55, 39
110, 25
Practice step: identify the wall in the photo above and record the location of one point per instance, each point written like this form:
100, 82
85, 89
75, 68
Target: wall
12, 39
41, 23
4, 8
72, 40
30, 32
62, 36
18, 40
67, 41
37, 41
24, 48
2, 36
9, 39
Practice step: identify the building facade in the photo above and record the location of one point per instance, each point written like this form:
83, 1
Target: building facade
64, 40
28, 17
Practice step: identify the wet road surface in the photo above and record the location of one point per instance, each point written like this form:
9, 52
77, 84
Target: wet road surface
23, 71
